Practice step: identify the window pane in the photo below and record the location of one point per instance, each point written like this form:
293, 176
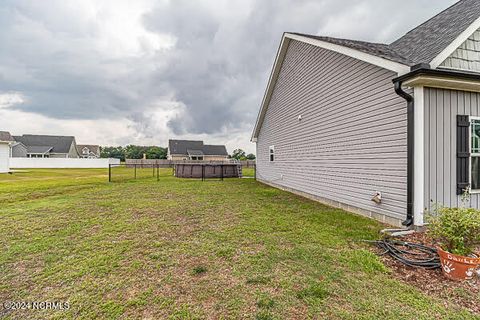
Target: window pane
475, 136
475, 173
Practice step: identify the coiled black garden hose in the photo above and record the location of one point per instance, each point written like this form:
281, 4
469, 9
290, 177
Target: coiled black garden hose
410, 254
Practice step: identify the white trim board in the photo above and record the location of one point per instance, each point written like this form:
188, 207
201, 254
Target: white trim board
360, 55
470, 118
419, 156
277, 65
399, 68
444, 83
440, 58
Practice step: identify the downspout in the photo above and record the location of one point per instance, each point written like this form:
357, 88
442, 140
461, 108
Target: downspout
410, 150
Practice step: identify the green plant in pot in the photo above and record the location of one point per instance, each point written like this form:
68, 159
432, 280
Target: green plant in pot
457, 231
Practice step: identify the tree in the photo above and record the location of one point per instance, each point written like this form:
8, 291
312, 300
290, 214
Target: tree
112, 152
250, 156
133, 152
156, 153
239, 154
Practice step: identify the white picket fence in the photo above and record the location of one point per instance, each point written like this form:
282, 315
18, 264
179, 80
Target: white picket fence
60, 163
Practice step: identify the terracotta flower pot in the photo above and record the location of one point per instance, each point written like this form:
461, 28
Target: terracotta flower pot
458, 267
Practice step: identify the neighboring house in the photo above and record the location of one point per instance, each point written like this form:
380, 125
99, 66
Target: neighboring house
42, 146
195, 150
88, 151
343, 120
5, 141
18, 150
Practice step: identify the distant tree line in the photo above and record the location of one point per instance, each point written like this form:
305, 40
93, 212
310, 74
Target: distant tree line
154, 152
239, 154
133, 152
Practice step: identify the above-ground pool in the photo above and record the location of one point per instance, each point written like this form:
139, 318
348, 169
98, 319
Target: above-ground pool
208, 170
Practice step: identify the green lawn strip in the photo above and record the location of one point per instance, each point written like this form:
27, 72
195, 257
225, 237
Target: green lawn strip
187, 249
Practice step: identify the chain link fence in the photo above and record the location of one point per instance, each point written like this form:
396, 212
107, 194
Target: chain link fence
127, 172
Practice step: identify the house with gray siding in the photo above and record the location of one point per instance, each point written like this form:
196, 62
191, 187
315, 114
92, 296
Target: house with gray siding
45, 146
88, 151
382, 130
195, 150
18, 150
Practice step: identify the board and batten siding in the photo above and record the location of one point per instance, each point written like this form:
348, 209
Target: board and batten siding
351, 140
441, 109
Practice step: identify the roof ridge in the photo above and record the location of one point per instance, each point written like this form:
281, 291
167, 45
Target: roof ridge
336, 38
428, 20
382, 50
44, 135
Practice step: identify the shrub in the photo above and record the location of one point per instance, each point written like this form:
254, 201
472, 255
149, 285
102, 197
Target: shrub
456, 229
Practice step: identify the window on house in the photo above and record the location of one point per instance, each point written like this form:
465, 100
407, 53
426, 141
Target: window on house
475, 154
272, 153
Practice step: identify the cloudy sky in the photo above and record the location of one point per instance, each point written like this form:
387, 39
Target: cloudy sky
114, 72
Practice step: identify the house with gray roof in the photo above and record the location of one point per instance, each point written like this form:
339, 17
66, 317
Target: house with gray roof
44, 146
346, 122
88, 151
195, 150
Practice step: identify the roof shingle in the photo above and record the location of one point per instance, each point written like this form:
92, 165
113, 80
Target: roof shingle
59, 144
182, 147
91, 148
38, 149
423, 43
429, 39
5, 136
376, 49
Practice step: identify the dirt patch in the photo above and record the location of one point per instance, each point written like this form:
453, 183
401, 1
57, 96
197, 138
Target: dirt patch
432, 282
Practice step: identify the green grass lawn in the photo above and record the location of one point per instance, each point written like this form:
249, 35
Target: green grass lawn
186, 249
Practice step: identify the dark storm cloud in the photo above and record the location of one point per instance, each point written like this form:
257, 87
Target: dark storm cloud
222, 59
62, 60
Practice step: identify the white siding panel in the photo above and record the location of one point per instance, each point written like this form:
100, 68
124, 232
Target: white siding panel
22, 163
4, 157
351, 141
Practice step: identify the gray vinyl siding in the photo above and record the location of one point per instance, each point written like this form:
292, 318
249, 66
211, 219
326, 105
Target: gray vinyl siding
352, 139
73, 152
467, 56
19, 151
59, 155
441, 110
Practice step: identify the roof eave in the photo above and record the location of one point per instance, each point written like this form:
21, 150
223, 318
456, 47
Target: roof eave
442, 56
442, 78
281, 52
